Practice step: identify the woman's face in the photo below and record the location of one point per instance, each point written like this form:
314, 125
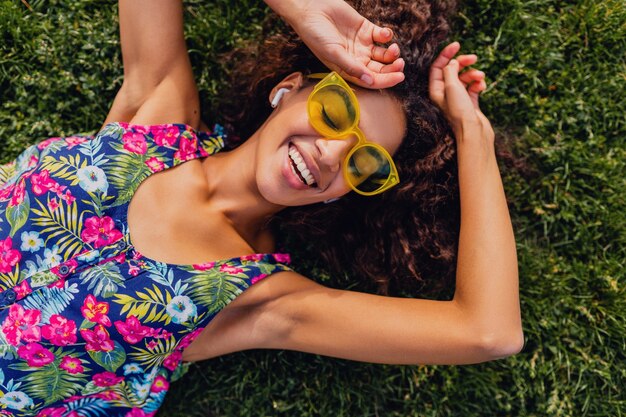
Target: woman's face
288, 132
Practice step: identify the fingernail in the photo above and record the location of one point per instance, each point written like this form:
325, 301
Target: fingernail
387, 32
367, 79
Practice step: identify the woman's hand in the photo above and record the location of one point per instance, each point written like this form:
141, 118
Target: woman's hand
456, 93
345, 41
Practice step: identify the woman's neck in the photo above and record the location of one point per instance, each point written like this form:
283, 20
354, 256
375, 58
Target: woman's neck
232, 188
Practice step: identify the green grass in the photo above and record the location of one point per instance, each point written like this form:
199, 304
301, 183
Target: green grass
557, 78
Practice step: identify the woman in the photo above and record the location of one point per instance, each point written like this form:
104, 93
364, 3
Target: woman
96, 318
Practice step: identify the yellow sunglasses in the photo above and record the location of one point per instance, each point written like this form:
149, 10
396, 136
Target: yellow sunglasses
334, 113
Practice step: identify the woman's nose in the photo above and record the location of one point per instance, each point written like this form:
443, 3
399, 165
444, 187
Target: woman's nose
333, 151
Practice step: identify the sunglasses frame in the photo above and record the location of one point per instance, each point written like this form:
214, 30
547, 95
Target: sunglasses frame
334, 79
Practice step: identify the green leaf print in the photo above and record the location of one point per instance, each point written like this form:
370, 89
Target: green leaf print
154, 356
103, 280
214, 289
111, 129
148, 306
17, 215
64, 167
63, 225
126, 171
50, 301
110, 360
5, 348
11, 279
7, 172
50, 383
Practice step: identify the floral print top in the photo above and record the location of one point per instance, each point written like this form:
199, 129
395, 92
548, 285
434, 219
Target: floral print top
88, 325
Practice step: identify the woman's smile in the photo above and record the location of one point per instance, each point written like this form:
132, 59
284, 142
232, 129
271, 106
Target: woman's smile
296, 169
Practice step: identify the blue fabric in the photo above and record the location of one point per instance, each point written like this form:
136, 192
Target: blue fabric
90, 326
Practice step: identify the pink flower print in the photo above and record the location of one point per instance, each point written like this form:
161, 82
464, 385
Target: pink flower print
108, 395
22, 290
230, 269
186, 341
160, 384
100, 231
41, 183
106, 379
138, 412
97, 339
74, 140
61, 331
133, 270
18, 194
186, 149
252, 258
75, 413
204, 266
6, 192
155, 164
59, 283
8, 256
152, 344
53, 204
57, 188
120, 258
283, 258
135, 142
132, 330
71, 365
141, 129
22, 324
164, 135
35, 355
254, 280
33, 161
172, 361
67, 197
45, 143
52, 412
95, 311
163, 335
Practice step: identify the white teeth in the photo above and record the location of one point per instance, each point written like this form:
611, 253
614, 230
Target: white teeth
301, 165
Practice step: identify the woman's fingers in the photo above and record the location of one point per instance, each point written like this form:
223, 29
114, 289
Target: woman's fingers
386, 55
395, 66
458, 102
436, 85
381, 35
470, 76
444, 58
466, 60
386, 80
351, 67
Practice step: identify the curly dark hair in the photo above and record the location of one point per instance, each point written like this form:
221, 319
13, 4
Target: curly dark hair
405, 238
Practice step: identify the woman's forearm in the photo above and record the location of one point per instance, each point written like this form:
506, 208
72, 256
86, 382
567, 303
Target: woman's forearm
287, 9
487, 277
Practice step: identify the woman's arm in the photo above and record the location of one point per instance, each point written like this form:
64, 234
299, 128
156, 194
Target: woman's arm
344, 40
481, 323
158, 82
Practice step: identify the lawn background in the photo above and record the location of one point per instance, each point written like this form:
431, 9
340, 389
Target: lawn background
557, 79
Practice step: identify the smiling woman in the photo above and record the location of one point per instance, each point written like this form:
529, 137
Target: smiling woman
148, 245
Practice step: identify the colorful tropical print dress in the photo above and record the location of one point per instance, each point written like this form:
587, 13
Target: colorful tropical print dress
88, 325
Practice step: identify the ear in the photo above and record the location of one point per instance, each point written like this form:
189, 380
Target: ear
292, 82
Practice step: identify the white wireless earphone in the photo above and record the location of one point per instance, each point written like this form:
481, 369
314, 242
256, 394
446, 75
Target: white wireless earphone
279, 95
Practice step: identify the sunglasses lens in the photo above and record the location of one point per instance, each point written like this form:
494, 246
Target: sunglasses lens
368, 169
332, 111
